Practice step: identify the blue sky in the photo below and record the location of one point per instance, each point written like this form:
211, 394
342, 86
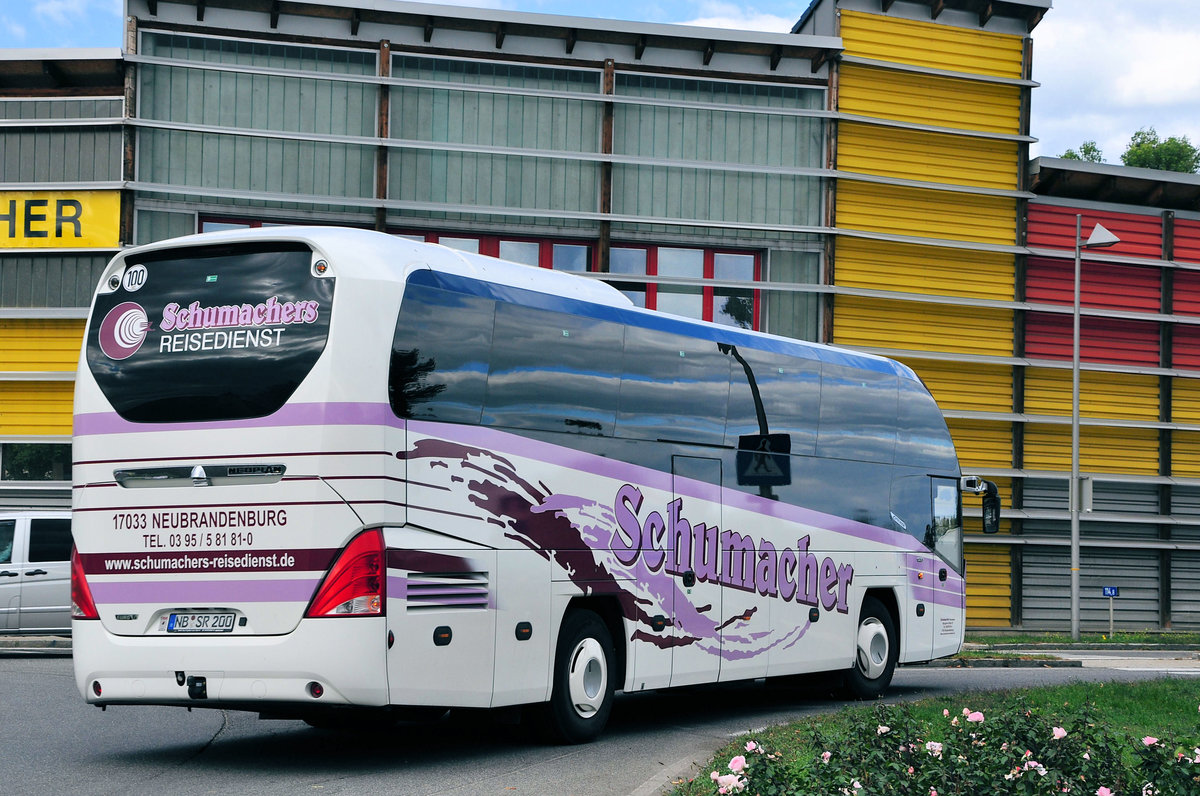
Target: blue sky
1107, 67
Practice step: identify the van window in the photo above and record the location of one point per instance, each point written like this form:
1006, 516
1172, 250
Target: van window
8, 530
49, 540
210, 333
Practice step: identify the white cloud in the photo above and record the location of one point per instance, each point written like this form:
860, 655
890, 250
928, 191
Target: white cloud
1107, 70
15, 30
737, 17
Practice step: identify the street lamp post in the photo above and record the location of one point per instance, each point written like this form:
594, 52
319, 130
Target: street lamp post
1099, 238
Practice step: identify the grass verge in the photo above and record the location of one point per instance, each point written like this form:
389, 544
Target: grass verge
1085, 737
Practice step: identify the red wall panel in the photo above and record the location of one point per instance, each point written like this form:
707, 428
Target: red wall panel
1117, 287
1185, 293
1053, 227
1187, 240
1185, 347
1116, 341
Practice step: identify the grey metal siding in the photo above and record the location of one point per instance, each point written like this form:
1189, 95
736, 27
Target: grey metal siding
256, 103
1185, 590
1046, 584
49, 280
42, 153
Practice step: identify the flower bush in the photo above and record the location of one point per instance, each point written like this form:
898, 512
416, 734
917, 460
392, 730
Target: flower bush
1012, 751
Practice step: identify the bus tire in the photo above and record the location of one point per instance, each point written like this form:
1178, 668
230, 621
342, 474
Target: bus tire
582, 694
875, 652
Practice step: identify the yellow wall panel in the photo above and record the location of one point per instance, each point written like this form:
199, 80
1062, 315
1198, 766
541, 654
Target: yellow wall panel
932, 157
1185, 400
30, 407
932, 270
926, 99
989, 585
966, 386
922, 212
1101, 450
931, 45
881, 323
1118, 396
39, 345
981, 444
1185, 454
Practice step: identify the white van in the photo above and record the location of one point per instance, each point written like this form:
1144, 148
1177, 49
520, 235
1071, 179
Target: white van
35, 572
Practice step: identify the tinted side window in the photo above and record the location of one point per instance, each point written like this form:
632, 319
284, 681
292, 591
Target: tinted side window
858, 414
923, 437
440, 351
49, 540
674, 388
8, 530
790, 393
553, 371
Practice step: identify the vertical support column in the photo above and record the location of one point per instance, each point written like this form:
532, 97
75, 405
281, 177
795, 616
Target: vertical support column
129, 135
604, 244
383, 130
829, 266
1165, 414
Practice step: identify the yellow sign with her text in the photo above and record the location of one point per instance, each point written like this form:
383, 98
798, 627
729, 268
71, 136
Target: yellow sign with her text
60, 219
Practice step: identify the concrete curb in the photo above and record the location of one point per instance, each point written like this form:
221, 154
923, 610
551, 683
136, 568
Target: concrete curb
1003, 663
61, 644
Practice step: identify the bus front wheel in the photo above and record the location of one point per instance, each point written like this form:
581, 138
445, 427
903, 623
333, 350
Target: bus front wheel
876, 650
582, 694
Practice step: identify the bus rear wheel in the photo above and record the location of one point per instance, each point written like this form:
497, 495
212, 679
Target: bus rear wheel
875, 652
582, 695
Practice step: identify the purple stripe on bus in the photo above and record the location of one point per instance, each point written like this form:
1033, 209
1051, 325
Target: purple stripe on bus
213, 593
937, 597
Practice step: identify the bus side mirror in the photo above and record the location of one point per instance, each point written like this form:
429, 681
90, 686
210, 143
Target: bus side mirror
991, 513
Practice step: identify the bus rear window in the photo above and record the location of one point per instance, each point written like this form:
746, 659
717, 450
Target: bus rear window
212, 333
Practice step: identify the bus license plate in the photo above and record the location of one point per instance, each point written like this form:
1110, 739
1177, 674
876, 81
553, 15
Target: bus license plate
200, 623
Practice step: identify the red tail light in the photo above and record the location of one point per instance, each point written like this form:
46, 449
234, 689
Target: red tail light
82, 605
355, 584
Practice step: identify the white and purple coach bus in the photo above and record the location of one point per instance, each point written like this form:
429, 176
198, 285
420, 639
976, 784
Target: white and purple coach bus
324, 470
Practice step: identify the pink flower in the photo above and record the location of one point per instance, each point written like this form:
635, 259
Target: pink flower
934, 748
966, 711
1102, 791
1149, 740
730, 783
737, 764
975, 717
825, 756
911, 770
1059, 733
933, 792
945, 712
751, 746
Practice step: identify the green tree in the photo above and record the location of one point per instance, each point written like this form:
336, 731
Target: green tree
1147, 151
1087, 151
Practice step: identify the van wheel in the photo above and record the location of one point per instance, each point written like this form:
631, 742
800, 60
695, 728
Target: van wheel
582, 694
876, 651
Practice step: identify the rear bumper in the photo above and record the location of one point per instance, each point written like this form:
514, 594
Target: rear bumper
347, 657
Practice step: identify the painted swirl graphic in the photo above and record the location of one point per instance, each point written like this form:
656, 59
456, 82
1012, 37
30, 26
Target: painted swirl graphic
123, 330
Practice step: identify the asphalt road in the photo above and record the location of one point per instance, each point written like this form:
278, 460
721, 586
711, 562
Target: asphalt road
51, 742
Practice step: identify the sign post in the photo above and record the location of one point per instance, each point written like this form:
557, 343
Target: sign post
1110, 592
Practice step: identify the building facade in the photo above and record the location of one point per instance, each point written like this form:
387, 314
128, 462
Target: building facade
861, 181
